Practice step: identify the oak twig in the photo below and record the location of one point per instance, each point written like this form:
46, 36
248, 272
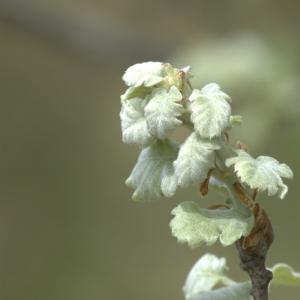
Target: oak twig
253, 252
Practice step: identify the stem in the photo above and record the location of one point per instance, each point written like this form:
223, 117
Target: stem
253, 248
254, 264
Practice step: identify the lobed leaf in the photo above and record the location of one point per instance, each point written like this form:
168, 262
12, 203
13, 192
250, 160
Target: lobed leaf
133, 123
153, 174
147, 74
195, 159
209, 272
210, 110
262, 173
162, 111
135, 92
196, 226
283, 274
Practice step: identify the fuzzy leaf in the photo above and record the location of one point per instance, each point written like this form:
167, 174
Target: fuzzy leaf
135, 92
133, 123
196, 226
237, 291
283, 274
262, 173
162, 111
210, 110
209, 272
147, 74
205, 274
195, 159
153, 174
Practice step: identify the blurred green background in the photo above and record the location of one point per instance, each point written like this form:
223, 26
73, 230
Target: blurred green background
68, 227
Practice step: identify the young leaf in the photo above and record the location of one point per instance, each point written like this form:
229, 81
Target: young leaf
196, 226
236, 291
205, 274
153, 174
147, 74
283, 274
135, 92
262, 173
162, 111
210, 110
195, 159
209, 272
133, 123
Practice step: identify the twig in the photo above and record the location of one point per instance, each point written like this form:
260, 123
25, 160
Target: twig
253, 251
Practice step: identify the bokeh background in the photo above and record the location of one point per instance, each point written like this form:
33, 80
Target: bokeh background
68, 228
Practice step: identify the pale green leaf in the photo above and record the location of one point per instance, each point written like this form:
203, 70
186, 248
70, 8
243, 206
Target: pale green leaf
196, 226
237, 291
283, 274
163, 110
210, 110
195, 159
206, 275
133, 123
262, 173
153, 174
135, 92
147, 74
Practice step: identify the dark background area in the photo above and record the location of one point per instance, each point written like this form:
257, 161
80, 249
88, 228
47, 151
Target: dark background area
68, 228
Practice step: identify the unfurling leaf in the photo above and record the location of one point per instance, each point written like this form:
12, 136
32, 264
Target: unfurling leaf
136, 92
205, 274
153, 174
236, 291
262, 173
147, 74
133, 123
209, 272
210, 110
196, 226
283, 274
195, 159
162, 111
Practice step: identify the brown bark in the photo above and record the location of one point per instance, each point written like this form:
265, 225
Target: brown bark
253, 252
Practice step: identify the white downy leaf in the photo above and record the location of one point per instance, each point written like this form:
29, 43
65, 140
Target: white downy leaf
236, 291
209, 272
153, 174
162, 111
135, 92
205, 274
262, 173
210, 110
147, 74
195, 159
196, 226
133, 123
283, 274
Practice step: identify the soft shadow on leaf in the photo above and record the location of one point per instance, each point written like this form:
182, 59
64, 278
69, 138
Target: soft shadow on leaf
283, 274
196, 226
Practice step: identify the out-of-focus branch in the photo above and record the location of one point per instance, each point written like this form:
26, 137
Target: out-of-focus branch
88, 33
